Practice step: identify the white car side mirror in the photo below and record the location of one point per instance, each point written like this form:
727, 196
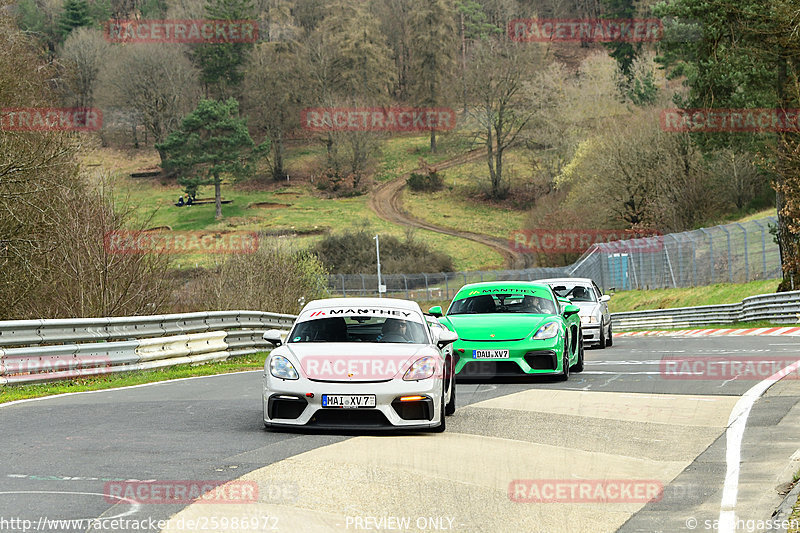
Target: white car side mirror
273, 336
446, 337
605, 298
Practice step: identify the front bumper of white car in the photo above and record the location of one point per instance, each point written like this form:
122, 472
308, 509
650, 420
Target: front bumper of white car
292, 403
590, 330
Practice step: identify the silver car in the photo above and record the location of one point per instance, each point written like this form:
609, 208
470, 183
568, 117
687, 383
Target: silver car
360, 363
595, 317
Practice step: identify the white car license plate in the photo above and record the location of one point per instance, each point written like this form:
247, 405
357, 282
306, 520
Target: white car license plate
348, 401
490, 354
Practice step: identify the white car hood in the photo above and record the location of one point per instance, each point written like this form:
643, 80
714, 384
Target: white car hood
355, 361
587, 308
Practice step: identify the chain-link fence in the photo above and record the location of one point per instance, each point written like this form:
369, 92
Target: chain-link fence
734, 253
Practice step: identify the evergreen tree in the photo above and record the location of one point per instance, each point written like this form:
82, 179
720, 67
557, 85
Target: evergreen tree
211, 143
221, 63
75, 15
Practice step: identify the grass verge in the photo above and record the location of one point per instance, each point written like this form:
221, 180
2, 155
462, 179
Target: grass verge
720, 293
10, 393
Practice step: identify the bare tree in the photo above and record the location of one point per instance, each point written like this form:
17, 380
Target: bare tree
158, 83
497, 83
271, 97
83, 54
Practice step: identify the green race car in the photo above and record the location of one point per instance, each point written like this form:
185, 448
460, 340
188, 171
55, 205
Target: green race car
511, 328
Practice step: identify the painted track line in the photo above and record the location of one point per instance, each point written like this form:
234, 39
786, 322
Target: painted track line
733, 453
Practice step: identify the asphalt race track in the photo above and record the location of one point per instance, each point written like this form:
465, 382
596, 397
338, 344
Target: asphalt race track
622, 420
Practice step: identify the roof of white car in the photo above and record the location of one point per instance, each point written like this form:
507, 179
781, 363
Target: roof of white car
588, 281
391, 303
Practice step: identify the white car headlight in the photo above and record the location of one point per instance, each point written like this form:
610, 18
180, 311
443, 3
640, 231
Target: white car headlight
282, 368
423, 368
548, 331
589, 319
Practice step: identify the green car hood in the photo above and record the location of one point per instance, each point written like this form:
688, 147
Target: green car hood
504, 327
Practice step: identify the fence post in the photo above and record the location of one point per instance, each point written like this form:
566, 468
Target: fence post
344, 290
730, 253
763, 248
710, 252
405, 280
427, 289
446, 288
746, 251
363, 286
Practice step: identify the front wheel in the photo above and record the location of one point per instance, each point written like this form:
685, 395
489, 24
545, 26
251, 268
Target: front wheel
564, 375
442, 422
602, 343
579, 365
450, 408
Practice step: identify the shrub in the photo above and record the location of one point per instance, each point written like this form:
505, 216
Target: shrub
428, 182
276, 277
354, 253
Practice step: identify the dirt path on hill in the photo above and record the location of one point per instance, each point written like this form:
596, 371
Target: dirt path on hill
386, 200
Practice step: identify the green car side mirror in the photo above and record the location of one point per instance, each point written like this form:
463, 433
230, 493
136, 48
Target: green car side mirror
436, 310
571, 310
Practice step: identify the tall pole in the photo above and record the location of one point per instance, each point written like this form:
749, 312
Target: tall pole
378, 254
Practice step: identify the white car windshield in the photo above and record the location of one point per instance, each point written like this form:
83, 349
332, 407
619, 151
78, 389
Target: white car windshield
574, 292
359, 329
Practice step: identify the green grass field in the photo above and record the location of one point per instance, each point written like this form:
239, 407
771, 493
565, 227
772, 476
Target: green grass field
291, 207
721, 293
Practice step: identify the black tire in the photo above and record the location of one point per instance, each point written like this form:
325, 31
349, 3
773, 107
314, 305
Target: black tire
564, 375
578, 367
442, 420
602, 343
450, 408
610, 339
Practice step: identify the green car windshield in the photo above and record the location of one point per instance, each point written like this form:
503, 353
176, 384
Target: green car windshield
503, 303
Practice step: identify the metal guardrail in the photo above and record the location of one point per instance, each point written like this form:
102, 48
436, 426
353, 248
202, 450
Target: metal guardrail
49, 349
781, 308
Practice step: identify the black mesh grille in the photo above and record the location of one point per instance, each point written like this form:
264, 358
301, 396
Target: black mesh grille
542, 360
286, 408
349, 417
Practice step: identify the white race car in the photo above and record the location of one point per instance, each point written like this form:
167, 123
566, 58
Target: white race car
360, 363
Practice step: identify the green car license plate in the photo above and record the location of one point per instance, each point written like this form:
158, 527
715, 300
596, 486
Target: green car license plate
490, 354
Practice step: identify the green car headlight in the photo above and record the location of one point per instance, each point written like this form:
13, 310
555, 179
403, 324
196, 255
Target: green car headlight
282, 368
548, 331
423, 368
